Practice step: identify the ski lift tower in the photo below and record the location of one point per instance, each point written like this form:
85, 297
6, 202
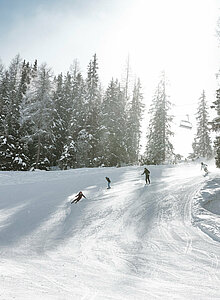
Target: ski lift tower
186, 123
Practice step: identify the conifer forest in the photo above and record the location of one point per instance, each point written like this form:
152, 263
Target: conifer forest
69, 121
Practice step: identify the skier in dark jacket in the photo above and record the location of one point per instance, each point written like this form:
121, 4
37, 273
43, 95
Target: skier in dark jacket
78, 197
204, 167
147, 175
108, 181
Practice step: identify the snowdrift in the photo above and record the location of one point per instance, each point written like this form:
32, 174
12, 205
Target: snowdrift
206, 209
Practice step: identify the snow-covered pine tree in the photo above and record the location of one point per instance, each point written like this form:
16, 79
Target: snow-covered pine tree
126, 86
34, 69
78, 120
3, 99
202, 142
74, 69
67, 105
72, 148
29, 73
37, 112
135, 113
1, 71
63, 106
5, 156
113, 126
92, 131
216, 128
22, 89
11, 152
25, 80
127, 82
58, 117
75, 149
216, 105
159, 149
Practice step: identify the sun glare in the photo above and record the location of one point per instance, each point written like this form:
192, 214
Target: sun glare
175, 36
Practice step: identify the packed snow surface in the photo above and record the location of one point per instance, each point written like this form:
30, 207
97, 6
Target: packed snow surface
134, 241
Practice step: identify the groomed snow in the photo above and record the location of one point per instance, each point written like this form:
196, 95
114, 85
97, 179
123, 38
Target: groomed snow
160, 241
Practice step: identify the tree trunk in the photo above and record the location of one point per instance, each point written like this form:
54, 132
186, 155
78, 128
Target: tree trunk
38, 151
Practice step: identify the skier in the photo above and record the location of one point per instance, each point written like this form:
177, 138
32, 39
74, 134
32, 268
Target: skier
147, 175
108, 181
204, 167
79, 197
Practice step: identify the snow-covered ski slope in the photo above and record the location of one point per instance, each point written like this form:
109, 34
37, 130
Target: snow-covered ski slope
160, 241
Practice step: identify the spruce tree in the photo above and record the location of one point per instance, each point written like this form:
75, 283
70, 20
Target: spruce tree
58, 126
5, 156
134, 124
216, 128
24, 80
202, 142
127, 81
75, 149
159, 149
22, 89
34, 69
11, 148
1, 71
3, 100
77, 123
113, 126
216, 121
29, 72
62, 111
37, 108
92, 134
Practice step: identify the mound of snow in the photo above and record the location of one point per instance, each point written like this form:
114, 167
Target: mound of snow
206, 209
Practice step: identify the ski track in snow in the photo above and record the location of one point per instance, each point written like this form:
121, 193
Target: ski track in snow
159, 241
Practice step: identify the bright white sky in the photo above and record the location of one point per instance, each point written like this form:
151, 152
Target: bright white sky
177, 36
